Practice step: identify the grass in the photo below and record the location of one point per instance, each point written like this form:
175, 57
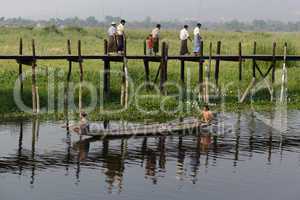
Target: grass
53, 41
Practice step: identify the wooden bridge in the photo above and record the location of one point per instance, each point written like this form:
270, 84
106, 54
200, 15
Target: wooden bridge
162, 73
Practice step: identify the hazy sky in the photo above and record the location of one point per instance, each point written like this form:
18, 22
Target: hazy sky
205, 10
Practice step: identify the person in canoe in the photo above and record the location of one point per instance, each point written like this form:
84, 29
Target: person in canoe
207, 115
83, 127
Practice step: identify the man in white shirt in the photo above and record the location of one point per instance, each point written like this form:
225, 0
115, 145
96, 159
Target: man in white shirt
197, 40
184, 36
112, 38
121, 36
156, 36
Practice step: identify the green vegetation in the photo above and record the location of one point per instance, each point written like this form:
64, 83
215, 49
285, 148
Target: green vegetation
53, 41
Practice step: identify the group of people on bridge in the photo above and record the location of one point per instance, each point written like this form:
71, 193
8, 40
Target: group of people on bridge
117, 36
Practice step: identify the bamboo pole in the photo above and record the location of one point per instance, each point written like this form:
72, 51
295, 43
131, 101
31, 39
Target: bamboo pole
283, 93
126, 92
37, 100
33, 79
273, 71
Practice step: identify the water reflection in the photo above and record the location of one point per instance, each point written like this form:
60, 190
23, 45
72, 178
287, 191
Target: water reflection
190, 154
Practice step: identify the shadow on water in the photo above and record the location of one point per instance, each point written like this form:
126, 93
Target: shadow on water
188, 154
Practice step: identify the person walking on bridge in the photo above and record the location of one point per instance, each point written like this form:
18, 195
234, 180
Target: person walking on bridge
184, 37
197, 40
121, 36
156, 36
112, 38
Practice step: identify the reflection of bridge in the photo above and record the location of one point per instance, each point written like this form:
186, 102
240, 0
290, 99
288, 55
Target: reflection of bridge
150, 152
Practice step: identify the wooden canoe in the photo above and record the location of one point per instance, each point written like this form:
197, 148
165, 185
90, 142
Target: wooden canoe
187, 124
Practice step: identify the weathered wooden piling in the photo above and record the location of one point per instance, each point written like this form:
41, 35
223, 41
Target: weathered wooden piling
254, 60
217, 67
182, 71
240, 62
66, 95
70, 62
273, 62
146, 66
33, 80
106, 73
163, 67
81, 75
21, 67
207, 74
201, 61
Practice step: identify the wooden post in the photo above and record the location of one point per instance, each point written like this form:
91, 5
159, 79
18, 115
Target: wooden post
240, 62
200, 73
201, 64
182, 73
81, 76
145, 47
166, 61
147, 73
106, 75
207, 74
66, 98
162, 68
20, 67
146, 65
33, 79
273, 62
254, 61
217, 64
70, 62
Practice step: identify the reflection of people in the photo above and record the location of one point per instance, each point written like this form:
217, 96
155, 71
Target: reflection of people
112, 40
205, 141
207, 115
184, 37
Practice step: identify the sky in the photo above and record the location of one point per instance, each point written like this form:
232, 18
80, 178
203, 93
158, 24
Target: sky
202, 10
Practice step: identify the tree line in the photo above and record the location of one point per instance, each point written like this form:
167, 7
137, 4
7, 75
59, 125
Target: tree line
233, 25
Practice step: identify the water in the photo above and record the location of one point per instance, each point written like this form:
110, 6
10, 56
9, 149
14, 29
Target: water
252, 162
